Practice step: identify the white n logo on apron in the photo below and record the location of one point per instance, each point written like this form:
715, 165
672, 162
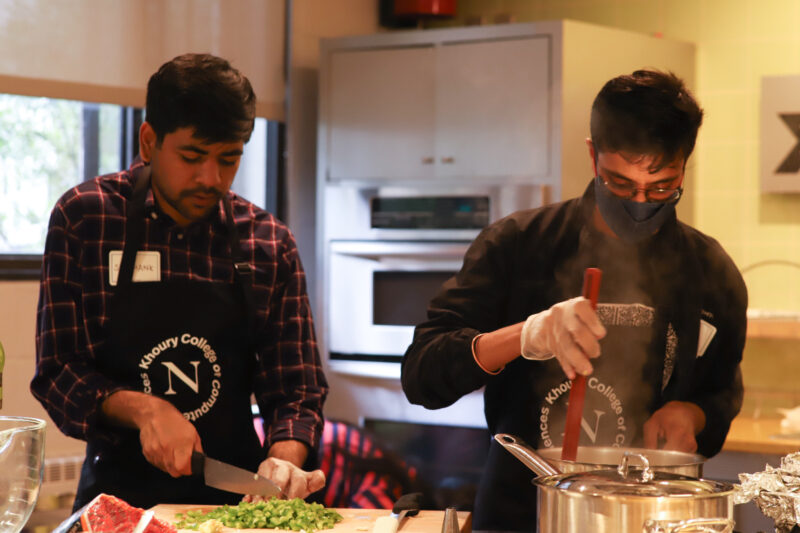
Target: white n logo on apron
597, 393
588, 429
173, 369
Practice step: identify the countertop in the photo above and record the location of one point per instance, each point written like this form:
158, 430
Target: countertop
758, 436
354, 520
748, 435
773, 326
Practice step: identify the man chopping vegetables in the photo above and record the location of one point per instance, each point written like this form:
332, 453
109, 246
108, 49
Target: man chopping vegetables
661, 353
167, 302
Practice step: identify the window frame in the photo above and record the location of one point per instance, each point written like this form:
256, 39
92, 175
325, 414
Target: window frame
19, 267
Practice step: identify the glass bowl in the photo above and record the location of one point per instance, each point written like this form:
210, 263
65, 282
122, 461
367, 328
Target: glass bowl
21, 469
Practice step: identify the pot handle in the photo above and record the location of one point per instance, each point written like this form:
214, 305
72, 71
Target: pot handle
694, 525
526, 454
622, 469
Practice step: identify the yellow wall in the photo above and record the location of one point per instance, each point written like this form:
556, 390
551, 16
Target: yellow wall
738, 42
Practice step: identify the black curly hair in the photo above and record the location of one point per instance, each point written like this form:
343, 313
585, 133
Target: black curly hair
648, 113
203, 92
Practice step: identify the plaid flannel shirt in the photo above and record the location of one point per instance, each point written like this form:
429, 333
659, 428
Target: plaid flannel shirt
74, 303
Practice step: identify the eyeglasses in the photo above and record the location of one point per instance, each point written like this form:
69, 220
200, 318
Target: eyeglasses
628, 190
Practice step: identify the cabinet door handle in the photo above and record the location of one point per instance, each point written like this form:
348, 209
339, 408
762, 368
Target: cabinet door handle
547, 194
428, 160
448, 160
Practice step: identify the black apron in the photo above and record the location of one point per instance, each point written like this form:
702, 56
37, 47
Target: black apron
621, 392
668, 268
188, 342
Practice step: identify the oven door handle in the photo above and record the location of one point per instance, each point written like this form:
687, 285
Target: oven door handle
377, 249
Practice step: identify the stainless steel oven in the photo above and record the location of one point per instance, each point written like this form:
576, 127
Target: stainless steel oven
387, 250
379, 290
434, 212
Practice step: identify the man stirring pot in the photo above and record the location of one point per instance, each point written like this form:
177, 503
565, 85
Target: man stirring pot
662, 351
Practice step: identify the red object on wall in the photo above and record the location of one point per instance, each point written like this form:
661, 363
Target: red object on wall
415, 8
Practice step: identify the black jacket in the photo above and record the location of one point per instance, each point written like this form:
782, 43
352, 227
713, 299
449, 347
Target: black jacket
533, 259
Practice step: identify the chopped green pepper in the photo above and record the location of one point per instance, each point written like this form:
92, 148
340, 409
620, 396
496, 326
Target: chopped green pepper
294, 515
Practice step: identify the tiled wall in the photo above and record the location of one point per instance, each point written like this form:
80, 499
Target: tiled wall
771, 369
738, 42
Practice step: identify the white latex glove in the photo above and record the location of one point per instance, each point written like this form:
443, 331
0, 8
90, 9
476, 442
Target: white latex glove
293, 480
568, 331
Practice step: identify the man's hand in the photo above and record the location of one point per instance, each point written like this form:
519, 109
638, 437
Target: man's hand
283, 466
293, 481
167, 438
675, 425
569, 330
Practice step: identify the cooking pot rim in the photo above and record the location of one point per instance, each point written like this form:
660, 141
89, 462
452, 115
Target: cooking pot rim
720, 488
691, 459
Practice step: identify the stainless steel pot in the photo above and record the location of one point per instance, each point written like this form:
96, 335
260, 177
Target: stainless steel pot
603, 457
625, 499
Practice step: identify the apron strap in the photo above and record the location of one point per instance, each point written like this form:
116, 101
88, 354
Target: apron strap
243, 272
134, 229
134, 226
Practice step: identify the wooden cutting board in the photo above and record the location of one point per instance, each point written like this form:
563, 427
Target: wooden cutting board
354, 520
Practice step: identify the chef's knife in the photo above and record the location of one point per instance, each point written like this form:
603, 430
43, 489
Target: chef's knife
232, 478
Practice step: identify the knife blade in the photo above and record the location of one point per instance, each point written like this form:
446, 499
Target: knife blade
231, 478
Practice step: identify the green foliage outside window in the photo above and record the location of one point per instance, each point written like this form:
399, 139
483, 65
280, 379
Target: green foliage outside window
41, 156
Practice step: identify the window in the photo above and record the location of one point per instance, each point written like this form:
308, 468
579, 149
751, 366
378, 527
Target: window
48, 145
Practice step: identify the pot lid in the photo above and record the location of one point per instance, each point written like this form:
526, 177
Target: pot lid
630, 481
610, 456
610, 482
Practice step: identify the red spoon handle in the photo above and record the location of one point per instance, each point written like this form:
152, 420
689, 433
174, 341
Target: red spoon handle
569, 449
591, 285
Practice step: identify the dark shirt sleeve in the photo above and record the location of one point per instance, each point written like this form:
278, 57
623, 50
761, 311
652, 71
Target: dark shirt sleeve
66, 381
290, 387
717, 380
438, 367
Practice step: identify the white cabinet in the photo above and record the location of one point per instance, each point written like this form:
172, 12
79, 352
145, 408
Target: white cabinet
493, 108
381, 123
454, 110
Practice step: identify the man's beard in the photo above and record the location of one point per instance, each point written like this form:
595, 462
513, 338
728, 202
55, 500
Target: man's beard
179, 205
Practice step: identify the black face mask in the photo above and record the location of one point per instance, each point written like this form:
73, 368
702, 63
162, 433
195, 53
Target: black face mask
631, 221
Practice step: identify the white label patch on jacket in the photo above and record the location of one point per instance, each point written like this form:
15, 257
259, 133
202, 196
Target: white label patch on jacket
707, 332
146, 268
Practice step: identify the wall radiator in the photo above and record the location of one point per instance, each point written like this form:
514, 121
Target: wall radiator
61, 475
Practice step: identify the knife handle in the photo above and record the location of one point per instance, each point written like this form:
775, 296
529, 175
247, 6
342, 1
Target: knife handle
198, 461
410, 502
385, 524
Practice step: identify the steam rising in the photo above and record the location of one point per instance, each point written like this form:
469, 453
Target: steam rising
626, 307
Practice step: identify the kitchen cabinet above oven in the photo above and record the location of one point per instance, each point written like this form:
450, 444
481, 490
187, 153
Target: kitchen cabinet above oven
504, 104
454, 110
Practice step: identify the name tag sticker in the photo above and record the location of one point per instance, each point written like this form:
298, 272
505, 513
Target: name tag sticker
707, 332
146, 268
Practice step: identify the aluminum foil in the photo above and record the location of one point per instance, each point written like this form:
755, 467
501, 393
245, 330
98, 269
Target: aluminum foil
776, 492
